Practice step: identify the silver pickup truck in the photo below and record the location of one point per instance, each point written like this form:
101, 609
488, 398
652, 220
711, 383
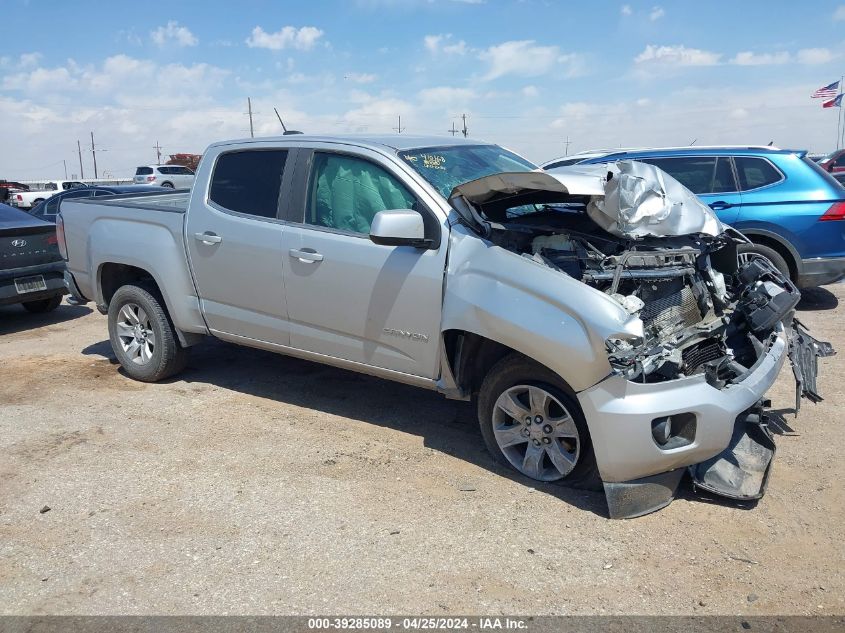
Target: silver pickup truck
599, 320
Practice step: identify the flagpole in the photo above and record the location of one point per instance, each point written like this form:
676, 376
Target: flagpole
839, 117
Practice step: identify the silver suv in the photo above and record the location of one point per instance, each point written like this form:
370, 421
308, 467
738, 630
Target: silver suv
172, 176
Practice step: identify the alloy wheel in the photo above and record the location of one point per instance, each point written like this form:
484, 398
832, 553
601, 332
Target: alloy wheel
135, 333
536, 433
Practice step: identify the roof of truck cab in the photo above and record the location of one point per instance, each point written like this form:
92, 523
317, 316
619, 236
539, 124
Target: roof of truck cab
398, 142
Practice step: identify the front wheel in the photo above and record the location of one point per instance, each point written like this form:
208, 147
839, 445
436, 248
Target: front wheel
142, 336
530, 422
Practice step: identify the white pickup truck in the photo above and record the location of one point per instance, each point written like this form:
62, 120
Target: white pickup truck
41, 191
599, 319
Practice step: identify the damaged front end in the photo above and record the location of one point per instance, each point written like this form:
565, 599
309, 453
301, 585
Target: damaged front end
634, 233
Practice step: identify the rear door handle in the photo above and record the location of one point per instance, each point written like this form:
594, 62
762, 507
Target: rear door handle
208, 238
305, 256
720, 204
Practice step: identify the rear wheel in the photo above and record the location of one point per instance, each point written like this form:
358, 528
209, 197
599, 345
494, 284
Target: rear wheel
530, 422
43, 305
36, 202
142, 335
168, 185
747, 252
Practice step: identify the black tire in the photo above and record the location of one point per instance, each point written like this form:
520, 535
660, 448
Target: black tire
36, 202
167, 185
516, 369
168, 357
766, 252
43, 305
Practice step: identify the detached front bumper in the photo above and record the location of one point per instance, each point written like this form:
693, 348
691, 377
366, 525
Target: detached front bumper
620, 414
640, 475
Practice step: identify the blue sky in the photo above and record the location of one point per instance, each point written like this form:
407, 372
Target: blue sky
528, 74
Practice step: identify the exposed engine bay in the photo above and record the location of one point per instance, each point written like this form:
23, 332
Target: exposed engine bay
631, 231
701, 312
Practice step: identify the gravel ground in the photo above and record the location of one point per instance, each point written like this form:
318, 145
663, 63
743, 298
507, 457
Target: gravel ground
256, 483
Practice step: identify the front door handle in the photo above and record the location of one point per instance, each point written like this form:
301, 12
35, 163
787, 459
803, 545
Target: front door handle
305, 256
208, 238
720, 204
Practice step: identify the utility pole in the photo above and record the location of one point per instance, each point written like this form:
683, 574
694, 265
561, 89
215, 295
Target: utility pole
249, 110
464, 131
94, 154
567, 142
399, 127
65, 163
81, 171
157, 148
453, 130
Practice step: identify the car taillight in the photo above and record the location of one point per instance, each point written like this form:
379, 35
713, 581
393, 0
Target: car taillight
53, 239
60, 236
835, 212
150, 178
19, 197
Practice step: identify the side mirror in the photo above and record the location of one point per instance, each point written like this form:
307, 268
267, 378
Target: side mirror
399, 227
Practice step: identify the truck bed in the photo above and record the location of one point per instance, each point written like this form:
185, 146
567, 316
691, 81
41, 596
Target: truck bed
144, 231
168, 200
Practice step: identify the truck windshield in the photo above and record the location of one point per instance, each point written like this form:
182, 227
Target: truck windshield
446, 167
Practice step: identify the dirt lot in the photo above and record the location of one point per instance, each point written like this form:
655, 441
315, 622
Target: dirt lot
256, 483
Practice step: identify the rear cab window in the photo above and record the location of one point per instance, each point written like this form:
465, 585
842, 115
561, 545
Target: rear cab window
249, 181
143, 171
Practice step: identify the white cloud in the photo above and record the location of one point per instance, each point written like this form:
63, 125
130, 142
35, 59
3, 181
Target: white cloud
839, 14
445, 97
677, 56
360, 78
443, 43
748, 58
626, 9
172, 33
303, 39
530, 92
525, 58
656, 13
815, 56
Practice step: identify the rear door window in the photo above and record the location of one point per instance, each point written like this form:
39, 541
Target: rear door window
249, 181
755, 173
702, 175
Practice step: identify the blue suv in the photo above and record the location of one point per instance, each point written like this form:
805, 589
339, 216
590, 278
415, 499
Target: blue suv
791, 209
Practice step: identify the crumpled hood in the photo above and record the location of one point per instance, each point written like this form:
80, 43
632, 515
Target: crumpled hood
638, 200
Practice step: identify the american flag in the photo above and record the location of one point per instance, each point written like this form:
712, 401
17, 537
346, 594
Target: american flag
828, 92
833, 103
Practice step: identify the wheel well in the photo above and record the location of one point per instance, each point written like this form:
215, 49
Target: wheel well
113, 276
471, 356
779, 248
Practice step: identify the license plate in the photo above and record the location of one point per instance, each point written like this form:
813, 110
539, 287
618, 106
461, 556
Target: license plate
30, 284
